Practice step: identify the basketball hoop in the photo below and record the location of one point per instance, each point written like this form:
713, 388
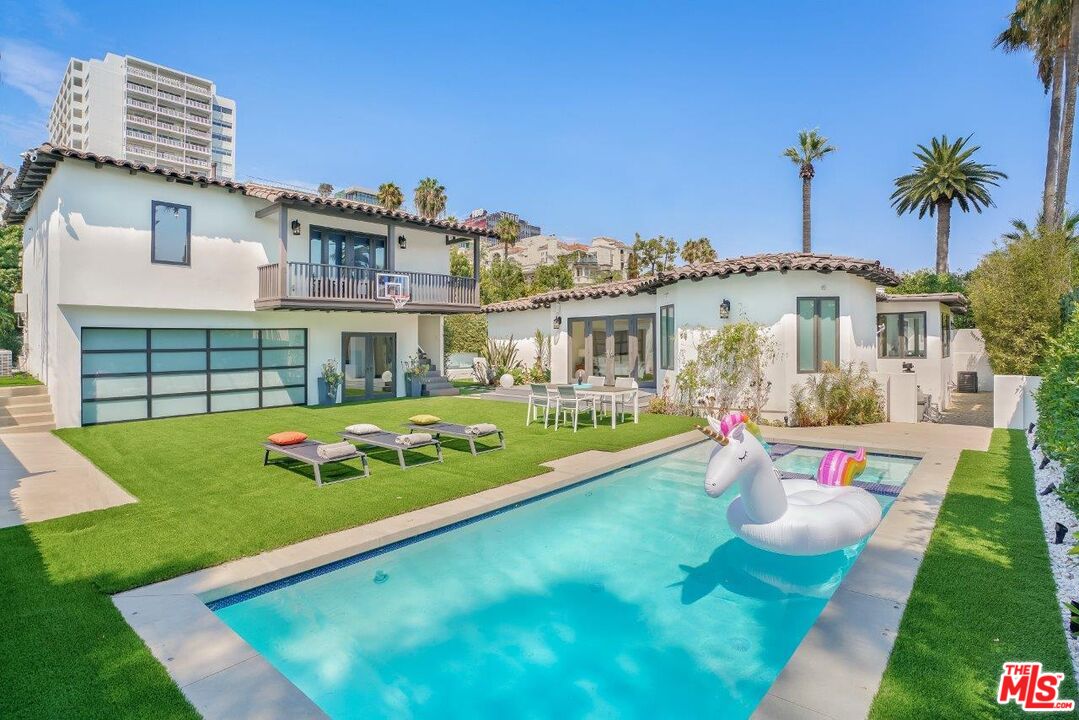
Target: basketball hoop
398, 300
395, 287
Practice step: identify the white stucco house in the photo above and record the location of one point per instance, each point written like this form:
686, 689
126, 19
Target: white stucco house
152, 293
819, 308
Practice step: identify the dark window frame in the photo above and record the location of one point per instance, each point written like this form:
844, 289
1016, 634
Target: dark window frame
922, 341
209, 393
946, 334
350, 235
818, 364
667, 344
153, 234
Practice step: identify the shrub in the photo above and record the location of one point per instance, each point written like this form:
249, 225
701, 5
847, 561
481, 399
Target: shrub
729, 370
1058, 400
1015, 295
501, 357
465, 333
664, 404
846, 395
928, 280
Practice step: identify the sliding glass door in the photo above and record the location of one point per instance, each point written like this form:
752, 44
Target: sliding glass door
369, 365
612, 347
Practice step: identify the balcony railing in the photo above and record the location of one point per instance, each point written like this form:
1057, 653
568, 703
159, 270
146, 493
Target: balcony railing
313, 285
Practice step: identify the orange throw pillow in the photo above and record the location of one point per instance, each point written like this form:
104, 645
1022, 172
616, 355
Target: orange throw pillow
290, 437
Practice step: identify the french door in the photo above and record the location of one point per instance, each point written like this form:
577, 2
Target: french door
369, 362
616, 346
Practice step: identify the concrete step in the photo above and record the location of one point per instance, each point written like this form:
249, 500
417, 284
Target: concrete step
443, 392
29, 428
27, 419
24, 403
12, 391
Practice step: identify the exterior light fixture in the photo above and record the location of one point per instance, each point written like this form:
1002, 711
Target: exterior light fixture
295, 227
402, 242
557, 322
725, 309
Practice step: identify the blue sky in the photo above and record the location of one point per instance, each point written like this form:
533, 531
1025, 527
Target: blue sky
590, 119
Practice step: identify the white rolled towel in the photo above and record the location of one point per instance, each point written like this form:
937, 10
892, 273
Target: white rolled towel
481, 429
362, 429
413, 439
331, 451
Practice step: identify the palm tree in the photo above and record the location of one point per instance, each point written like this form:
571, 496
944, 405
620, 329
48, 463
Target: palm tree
390, 196
1069, 224
1045, 28
508, 231
695, 252
945, 174
430, 198
811, 148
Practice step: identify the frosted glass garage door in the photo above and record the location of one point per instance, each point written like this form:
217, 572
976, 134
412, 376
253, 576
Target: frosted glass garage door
141, 373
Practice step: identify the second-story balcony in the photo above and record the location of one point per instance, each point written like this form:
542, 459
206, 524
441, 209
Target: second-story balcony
335, 287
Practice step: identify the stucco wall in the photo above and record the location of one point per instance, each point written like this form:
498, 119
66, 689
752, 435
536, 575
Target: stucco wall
968, 353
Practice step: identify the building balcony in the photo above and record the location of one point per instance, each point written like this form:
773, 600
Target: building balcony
333, 287
148, 74
198, 104
196, 119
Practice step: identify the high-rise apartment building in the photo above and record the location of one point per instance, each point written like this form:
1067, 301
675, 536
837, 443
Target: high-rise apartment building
140, 111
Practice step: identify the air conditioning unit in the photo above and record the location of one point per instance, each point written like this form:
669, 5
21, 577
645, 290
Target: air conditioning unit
19, 301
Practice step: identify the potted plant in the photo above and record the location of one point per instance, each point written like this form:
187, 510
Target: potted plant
329, 383
415, 370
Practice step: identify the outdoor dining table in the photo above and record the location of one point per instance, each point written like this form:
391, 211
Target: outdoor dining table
609, 392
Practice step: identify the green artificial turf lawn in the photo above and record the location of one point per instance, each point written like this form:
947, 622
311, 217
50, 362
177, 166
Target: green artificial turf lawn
18, 379
205, 498
984, 596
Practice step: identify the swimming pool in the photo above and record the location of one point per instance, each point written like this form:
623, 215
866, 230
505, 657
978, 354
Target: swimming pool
626, 596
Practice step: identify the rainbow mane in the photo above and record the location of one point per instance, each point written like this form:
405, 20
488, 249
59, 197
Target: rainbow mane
838, 468
719, 430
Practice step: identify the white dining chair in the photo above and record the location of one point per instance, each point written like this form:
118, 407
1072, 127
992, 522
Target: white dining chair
569, 400
624, 400
538, 397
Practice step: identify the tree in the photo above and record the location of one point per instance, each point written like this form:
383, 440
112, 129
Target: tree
552, 276
390, 196
1015, 296
465, 332
928, 281
945, 174
1050, 30
657, 253
10, 283
508, 230
695, 252
503, 280
1069, 224
460, 263
633, 266
429, 198
325, 190
811, 148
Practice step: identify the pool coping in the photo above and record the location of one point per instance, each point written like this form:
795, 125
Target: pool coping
224, 677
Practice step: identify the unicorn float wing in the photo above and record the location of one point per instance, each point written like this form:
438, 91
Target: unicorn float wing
791, 517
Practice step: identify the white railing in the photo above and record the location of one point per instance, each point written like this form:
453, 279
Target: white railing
198, 104
139, 134
170, 111
170, 127
197, 148
197, 163
134, 117
196, 118
169, 141
149, 152
170, 156
196, 88
198, 133
170, 81
166, 95
141, 73
135, 87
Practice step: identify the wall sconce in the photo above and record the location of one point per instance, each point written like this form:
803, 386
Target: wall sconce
295, 227
725, 309
402, 242
557, 322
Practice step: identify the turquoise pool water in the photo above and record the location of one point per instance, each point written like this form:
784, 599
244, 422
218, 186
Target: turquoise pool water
624, 597
882, 469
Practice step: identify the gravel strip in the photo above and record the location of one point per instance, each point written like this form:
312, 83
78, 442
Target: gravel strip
1065, 566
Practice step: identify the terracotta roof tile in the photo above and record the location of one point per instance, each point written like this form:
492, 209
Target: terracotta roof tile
871, 270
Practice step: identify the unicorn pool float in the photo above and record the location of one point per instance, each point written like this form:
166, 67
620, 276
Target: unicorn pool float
793, 516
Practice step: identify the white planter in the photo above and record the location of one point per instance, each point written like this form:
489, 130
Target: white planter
506, 381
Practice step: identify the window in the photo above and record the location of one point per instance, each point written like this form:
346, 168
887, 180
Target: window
666, 337
901, 335
945, 334
170, 240
138, 373
221, 109
818, 333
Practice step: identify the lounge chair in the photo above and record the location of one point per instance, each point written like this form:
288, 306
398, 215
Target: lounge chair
307, 452
461, 431
388, 441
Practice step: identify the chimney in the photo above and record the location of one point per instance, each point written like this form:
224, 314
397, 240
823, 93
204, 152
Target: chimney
213, 170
